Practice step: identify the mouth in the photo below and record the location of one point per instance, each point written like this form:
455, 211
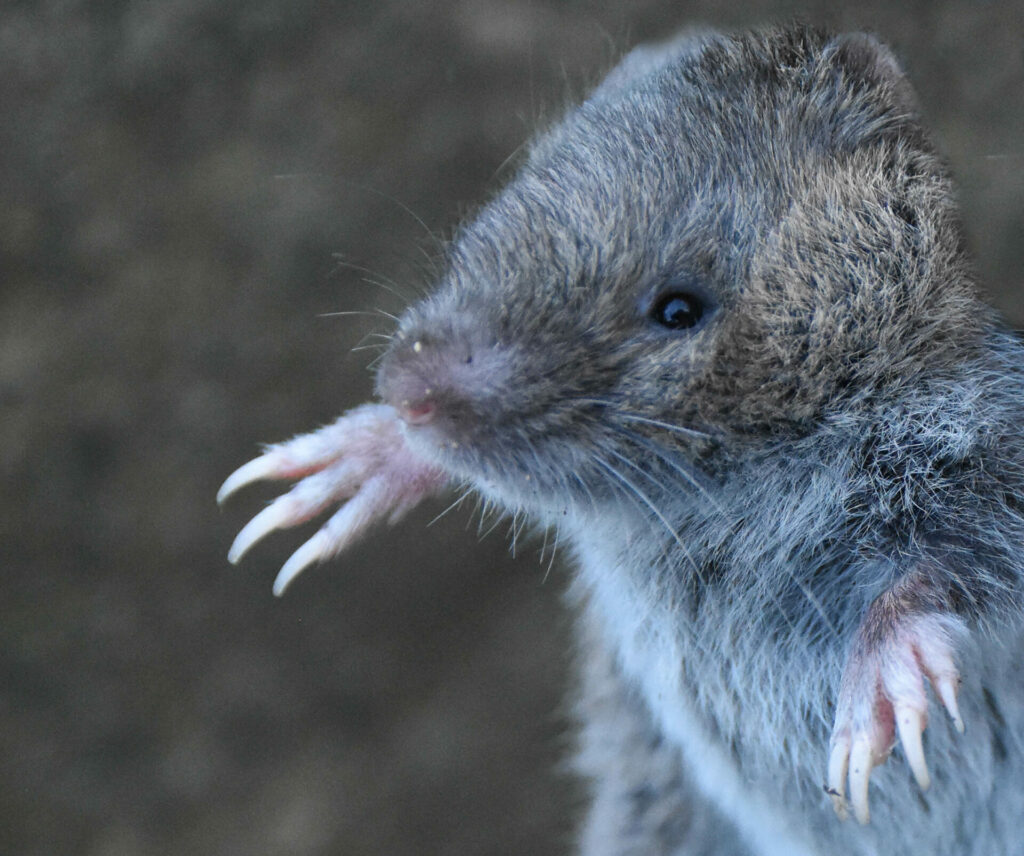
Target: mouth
505, 461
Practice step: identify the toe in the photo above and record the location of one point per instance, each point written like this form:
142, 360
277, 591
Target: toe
910, 723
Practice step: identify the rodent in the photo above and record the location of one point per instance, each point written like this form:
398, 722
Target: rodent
721, 333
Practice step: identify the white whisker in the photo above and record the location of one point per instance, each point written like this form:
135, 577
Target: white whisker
668, 426
663, 455
554, 550
462, 497
654, 509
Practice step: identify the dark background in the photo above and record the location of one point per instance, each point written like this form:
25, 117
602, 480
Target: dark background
175, 179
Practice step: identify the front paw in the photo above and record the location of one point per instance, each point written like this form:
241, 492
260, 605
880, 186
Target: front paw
882, 694
361, 459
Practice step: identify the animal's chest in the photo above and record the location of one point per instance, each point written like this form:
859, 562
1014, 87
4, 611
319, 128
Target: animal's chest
657, 655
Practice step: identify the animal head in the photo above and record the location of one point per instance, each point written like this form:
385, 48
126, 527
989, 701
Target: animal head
733, 236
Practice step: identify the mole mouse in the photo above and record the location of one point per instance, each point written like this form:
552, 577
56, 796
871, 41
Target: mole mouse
720, 334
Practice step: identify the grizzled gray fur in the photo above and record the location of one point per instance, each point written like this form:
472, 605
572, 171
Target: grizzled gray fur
859, 413
721, 334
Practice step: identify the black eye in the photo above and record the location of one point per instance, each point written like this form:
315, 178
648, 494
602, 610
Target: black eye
678, 310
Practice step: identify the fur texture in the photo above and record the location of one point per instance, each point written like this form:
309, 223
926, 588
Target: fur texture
845, 416
720, 333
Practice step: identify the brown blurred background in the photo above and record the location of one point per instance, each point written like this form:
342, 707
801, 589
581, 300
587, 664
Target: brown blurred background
176, 178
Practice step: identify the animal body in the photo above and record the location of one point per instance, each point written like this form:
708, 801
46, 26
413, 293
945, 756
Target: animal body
720, 333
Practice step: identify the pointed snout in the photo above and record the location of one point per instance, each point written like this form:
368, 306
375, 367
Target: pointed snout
441, 380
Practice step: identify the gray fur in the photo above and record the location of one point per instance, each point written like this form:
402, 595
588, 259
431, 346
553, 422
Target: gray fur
736, 496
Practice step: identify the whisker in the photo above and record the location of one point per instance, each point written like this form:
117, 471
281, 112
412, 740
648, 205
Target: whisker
636, 417
520, 520
510, 158
346, 312
369, 280
668, 426
650, 504
663, 455
665, 488
467, 492
554, 550
616, 485
380, 280
497, 520
477, 505
363, 341
430, 232
513, 531
484, 509
586, 489
387, 315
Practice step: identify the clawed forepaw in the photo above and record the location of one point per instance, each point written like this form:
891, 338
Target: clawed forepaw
882, 695
361, 458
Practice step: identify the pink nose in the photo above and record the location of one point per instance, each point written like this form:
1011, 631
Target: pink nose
416, 412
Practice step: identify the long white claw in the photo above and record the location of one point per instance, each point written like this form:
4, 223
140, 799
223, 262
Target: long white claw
278, 514
838, 764
860, 774
946, 687
347, 524
316, 548
257, 469
910, 723
360, 460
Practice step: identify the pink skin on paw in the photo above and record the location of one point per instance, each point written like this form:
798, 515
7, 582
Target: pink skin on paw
362, 458
882, 695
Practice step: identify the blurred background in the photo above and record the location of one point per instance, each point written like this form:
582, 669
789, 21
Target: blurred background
187, 187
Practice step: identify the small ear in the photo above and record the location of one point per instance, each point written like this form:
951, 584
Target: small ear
864, 58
